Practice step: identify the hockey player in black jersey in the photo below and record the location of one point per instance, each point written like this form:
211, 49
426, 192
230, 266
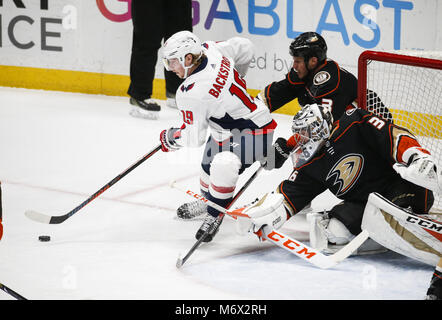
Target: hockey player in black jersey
357, 156
353, 158
312, 79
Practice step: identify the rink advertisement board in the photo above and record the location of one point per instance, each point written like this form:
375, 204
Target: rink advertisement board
85, 46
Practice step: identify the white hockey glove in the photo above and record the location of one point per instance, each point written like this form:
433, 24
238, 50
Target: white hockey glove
168, 139
269, 210
421, 171
261, 96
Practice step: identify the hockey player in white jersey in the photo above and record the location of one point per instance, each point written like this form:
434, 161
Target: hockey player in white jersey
214, 95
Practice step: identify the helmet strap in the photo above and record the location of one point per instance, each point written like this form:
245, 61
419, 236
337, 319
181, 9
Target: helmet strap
186, 69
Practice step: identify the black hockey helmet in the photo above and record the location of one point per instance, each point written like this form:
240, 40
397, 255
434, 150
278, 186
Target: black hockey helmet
307, 45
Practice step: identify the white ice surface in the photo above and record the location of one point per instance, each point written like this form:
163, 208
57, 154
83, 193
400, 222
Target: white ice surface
57, 149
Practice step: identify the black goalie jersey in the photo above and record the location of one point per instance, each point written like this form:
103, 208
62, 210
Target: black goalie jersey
356, 160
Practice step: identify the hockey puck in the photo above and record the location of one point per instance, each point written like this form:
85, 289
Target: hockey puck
44, 238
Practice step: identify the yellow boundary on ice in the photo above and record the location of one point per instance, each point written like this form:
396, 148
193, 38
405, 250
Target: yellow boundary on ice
116, 85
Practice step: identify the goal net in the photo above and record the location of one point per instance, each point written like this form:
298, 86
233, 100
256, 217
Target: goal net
409, 85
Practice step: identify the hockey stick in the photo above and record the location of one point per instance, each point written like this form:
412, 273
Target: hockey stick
181, 261
11, 292
43, 218
292, 245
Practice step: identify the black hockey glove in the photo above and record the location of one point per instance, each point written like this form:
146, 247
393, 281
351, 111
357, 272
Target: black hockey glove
278, 154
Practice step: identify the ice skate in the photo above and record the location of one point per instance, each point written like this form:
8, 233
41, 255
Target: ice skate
146, 109
210, 224
191, 210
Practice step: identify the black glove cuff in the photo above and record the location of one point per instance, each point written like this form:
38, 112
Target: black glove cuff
282, 148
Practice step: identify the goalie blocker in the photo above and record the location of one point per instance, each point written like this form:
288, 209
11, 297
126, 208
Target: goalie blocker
417, 237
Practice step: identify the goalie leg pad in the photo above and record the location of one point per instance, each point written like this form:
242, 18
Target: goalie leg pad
329, 235
326, 233
317, 234
396, 229
337, 233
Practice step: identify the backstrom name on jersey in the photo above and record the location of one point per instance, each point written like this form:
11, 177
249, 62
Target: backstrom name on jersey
221, 79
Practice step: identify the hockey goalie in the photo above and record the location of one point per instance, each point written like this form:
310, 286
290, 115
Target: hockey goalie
379, 170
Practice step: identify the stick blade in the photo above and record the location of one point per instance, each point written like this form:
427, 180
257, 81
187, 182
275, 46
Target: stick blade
179, 262
172, 184
348, 249
324, 262
38, 217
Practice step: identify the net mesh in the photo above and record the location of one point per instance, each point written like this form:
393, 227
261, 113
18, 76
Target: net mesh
413, 97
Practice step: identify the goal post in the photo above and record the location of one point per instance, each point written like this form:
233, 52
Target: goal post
409, 85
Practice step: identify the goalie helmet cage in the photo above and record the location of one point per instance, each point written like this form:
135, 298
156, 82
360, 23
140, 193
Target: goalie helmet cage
409, 84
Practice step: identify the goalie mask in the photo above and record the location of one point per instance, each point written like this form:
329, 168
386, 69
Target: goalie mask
312, 126
177, 47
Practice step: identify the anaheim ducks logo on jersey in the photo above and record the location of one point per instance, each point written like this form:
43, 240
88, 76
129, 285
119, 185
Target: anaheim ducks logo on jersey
346, 172
321, 77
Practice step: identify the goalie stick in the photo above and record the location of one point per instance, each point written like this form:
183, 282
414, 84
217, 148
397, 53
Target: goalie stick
181, 261
43, 218
292, 245
11, 292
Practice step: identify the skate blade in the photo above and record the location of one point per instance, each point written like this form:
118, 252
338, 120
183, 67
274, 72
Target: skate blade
195, 218
150, 115
171, 103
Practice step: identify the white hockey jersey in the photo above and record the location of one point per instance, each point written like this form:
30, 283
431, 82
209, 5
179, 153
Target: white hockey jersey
215, 96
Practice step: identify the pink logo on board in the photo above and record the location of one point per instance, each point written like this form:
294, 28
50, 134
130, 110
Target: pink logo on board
116, 17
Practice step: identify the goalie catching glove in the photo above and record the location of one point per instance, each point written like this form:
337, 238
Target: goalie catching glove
168, 139
421, 170
269, 210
